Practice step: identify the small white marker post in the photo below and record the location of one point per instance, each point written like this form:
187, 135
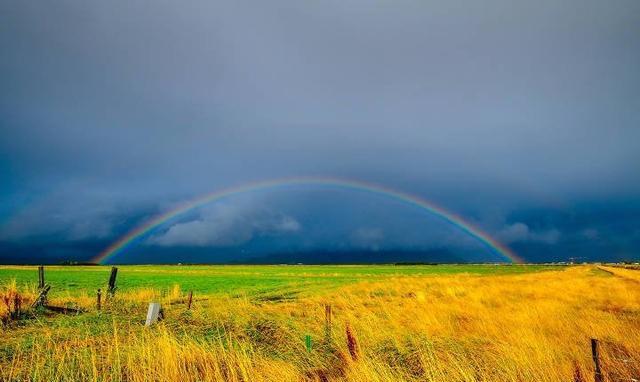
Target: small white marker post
153, 313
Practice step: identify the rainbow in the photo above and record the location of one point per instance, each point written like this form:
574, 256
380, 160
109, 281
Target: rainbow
412, 200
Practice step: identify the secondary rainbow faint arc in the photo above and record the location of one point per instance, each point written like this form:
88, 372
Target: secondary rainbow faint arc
413, 200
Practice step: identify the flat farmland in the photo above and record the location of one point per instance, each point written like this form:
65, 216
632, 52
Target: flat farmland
270, 323
236, 279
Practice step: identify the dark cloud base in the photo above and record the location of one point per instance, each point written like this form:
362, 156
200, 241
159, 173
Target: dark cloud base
523, 118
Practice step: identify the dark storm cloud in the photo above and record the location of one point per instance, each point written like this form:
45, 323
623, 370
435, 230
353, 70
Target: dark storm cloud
225, 225
113, 111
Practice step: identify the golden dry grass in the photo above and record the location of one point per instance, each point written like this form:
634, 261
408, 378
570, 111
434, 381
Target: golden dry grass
527, 327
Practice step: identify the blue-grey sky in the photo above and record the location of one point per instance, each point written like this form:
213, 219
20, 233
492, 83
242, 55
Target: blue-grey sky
522, 117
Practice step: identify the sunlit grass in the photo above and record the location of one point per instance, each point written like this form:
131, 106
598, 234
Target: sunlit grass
450, 327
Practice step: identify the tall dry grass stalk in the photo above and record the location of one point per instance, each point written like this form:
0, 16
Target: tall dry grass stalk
529, 327
13, 303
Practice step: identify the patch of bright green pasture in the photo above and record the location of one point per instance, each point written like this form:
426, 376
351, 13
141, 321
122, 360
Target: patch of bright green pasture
236, 279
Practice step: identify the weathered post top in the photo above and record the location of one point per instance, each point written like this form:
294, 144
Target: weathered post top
153, 313
112, 280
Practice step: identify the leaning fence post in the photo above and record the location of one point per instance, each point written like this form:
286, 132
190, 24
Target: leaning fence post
190, 300
112, 281
41, 300
98, 299
40, 276
595, 354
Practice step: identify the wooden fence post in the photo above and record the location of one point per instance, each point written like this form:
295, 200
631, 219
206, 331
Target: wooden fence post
190, 300
98, 299
41, 300
327, 321
112, 281
40, 276
595, 354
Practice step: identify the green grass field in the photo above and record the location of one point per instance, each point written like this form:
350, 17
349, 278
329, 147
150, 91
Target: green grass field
236, 279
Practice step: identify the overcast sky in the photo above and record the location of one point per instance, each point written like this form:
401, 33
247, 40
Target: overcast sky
522, 117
